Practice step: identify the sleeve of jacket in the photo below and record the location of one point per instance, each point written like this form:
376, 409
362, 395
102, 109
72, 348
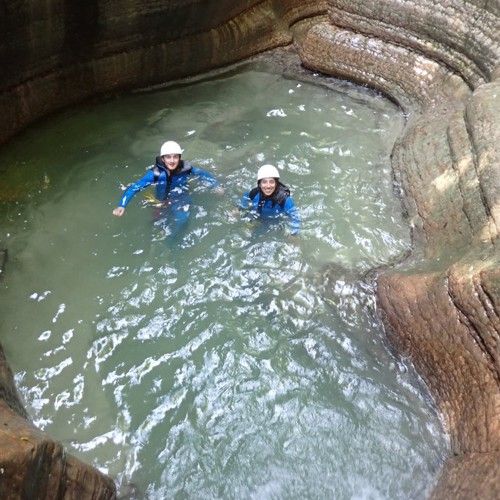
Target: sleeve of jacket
293, 214
134, 188
245, 201
205, 176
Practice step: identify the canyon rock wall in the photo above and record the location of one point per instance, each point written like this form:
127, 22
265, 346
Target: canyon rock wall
439, 60
56, 53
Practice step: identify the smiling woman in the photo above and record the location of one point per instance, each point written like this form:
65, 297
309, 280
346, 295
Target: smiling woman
271, 198
218, 361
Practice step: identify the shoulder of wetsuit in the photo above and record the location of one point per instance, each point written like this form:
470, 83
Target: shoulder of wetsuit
253, 193
184, 168
282, 193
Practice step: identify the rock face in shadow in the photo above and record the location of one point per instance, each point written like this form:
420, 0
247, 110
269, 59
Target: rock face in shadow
439, 60
58, 53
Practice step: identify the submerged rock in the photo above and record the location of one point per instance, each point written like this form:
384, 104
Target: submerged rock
3, 262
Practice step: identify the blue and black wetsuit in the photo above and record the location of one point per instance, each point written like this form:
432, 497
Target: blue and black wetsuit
280, 202
171, 186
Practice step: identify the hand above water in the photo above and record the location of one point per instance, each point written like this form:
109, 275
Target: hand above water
119, 211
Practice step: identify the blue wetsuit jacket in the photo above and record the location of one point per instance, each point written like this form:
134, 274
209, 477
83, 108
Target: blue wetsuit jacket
168, 184
270, 207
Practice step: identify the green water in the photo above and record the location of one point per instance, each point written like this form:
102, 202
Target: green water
228, 360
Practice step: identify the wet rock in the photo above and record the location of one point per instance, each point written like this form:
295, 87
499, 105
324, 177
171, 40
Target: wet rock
8, 391
440, 321
32, 465
60, 53
483, 467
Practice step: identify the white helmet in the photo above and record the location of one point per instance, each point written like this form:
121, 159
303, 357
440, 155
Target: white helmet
267, 171
170, 148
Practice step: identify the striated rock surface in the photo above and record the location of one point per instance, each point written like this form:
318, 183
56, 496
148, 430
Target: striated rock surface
439, 60
33, 465
57, 53
483, 468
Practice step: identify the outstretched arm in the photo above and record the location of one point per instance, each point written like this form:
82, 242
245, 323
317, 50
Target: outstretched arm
130, 192
205, 176
245, 201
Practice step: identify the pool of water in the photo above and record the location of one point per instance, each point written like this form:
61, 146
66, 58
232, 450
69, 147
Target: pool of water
227, 359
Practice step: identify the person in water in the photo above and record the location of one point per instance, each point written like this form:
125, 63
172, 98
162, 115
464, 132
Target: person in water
170, 175
271, 198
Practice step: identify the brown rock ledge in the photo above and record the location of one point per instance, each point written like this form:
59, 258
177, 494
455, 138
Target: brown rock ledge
32, 464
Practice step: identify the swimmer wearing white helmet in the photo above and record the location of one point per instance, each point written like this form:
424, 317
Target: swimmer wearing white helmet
271, 198
170, 175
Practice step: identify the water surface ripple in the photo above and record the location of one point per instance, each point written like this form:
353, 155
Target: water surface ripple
228, 360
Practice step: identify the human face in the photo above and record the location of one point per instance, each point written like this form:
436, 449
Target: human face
171, 161
268, 185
